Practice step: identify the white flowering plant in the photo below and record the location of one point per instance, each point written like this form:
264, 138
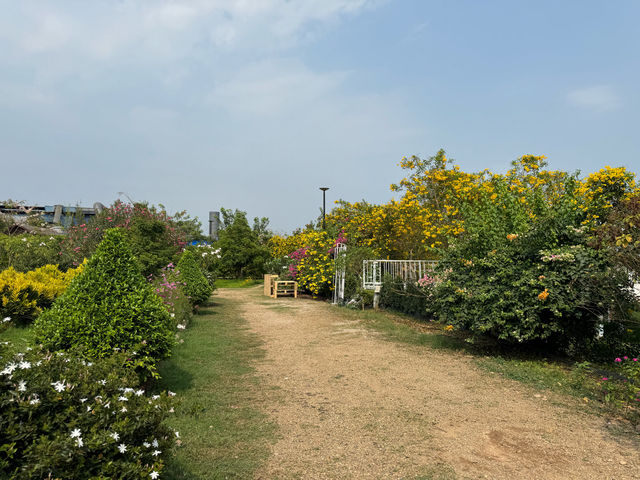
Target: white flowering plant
62, 416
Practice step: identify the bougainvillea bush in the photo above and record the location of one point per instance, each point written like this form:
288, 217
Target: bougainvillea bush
64, 417
110, 306
154, 236
168, 285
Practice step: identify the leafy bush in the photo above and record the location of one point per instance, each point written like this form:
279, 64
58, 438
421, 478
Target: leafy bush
64, 417
208, 258
24, 295
154, 237
109, 306
28, 252
410, 298
170, 288
520, 278
196, 285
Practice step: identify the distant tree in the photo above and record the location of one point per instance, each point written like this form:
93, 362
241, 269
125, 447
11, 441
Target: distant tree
242, 248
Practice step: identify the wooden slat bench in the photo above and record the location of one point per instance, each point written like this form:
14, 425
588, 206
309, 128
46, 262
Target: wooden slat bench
285, 287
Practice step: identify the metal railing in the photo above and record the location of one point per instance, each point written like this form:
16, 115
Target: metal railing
374, 271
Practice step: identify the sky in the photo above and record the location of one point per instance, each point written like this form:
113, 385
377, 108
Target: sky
255, 104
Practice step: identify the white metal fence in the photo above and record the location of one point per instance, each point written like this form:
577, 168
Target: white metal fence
374, 271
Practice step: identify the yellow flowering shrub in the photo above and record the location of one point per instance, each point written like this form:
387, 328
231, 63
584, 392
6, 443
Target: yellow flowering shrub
24, 295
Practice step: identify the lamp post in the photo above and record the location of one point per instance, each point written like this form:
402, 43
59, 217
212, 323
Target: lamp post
324, 205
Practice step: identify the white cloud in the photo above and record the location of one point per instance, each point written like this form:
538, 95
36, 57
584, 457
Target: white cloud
598, 97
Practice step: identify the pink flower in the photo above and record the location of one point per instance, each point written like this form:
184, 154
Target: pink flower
605, 378
625, 357
635, 359
618, 359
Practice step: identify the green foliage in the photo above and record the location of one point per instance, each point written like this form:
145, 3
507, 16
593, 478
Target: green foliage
110, 306
410, 298
64, 417
535, 281
196, 285
153, 236
29, 251
170, 288
243, 254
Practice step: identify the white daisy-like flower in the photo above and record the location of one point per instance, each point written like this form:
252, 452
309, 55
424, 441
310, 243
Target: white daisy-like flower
155, 442
82, 400
123, 410
88, 408
79, 442
115, 436
6, 319
171, 394
154, 475
38, 363
122, 447
155, 453
146, 444
58, 386
24, 365
139, 393
22, 386
107, 405
89, 364
8, 370
128, 390
34, 401
177, 434
122, 398
102, 382
155, 397
181, 326
75, 433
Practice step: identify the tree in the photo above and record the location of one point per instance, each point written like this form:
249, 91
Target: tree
243, 254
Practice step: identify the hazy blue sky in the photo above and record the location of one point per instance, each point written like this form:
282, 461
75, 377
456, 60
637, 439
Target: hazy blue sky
254, 104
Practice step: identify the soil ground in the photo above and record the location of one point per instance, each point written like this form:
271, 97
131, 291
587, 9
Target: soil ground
351, 405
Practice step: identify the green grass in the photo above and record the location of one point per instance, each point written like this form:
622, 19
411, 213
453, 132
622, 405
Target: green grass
19, 337
237, 282
224, 432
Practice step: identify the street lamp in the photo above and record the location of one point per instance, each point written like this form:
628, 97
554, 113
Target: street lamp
324, 205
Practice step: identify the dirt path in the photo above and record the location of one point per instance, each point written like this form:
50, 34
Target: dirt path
352, 405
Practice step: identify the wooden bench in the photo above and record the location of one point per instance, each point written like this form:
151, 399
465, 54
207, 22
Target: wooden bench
285, 287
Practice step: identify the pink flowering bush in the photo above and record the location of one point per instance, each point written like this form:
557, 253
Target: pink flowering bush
622, 388
65, 417
169, 286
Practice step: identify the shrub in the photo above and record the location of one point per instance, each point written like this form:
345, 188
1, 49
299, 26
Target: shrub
24, 295
28, 252
64, 417
170, 288
196, 285
208, 258
109, 306
153, 236
410, 298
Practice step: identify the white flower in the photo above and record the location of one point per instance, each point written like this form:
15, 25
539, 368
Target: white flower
124, 409
6, 319
155, 442
146, 444
122, 447
181, 326
88, 408
171, 394
122, 398
128, 390
22, 386
59, 386
82, 400
34, 401
156, 453
8, 370
173, 315
155, 397
177, 434
38, 363
115, 436
75, 433
23, 239
102, 382
24, 365
154, 475
139, 393
79, 442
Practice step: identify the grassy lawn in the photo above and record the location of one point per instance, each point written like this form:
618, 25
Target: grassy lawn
19, 337
224, 433
237, 282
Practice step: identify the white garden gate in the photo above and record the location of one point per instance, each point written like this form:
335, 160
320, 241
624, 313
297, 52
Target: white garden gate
374, 271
